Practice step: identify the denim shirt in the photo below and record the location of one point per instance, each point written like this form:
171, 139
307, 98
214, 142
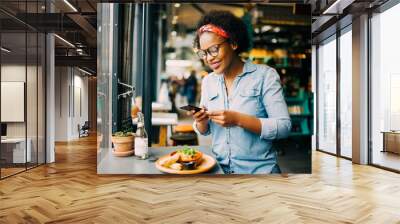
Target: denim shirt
256, 91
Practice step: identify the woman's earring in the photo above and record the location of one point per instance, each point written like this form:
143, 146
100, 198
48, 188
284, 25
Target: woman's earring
234, 46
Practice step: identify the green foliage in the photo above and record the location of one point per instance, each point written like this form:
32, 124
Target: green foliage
188, 151
126, 125
122, 134
126, 128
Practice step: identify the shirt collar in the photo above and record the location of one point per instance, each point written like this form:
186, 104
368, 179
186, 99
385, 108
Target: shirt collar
248, 67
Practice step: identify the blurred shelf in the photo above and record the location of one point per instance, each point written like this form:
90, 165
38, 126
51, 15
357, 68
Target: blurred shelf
294, 100
300, 111
288, 47
288, 67
299, 134
300, 115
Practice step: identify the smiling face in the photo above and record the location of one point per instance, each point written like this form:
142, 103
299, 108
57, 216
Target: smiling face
220, 63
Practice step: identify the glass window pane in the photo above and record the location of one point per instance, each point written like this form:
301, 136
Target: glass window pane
41, 98
104, 79
31, 97
385, 84
346, 94
23, 84
327, 97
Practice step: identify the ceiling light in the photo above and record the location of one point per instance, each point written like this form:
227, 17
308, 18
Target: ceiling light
70, 5
177, 5
84, 71
277, 29
337, 7
5, 50
64, 40
331, 7
266, 28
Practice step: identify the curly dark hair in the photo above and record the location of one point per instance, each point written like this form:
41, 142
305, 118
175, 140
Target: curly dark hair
231, 24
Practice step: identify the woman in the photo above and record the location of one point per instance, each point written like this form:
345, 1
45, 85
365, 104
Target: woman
243, 106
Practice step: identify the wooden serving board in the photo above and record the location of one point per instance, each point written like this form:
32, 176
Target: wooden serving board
207, 163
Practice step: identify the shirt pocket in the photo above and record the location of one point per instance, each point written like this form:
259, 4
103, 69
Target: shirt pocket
250, 101
214, 101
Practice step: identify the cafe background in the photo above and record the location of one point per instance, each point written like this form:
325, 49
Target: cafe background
146, 63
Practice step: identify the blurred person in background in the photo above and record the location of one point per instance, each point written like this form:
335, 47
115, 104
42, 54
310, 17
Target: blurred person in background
174, 87
191, 88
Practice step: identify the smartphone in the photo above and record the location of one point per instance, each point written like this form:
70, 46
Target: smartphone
190, 108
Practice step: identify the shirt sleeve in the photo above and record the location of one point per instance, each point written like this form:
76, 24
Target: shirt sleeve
278, 124
203, 102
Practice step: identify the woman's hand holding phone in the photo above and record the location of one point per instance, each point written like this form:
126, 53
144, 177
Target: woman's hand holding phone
200, 116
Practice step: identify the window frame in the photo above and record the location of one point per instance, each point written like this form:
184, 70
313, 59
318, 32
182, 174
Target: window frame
335, 36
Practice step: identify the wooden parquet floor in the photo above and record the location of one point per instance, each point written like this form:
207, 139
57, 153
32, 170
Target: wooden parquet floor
10, 171
70, 191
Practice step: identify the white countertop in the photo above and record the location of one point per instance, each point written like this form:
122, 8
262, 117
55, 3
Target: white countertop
160, 119
157, 106
14, 140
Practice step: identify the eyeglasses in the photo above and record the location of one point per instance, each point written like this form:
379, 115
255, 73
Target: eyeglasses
213, 51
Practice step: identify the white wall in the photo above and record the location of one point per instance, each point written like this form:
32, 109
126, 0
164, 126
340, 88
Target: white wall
61, 103
70, 83
79, 117
12, 73
17, 73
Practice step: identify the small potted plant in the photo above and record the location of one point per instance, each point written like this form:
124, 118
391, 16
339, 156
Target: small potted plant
123, 140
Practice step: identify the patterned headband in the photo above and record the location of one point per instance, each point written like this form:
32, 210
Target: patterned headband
214, 29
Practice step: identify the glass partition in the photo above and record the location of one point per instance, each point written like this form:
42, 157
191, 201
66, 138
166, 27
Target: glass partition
23, 89
15, 151
346, 93
31, 98
41, 97
327, 96
104, 49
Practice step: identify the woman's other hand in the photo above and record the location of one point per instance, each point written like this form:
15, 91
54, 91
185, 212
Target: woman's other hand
228, 118
225, 118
